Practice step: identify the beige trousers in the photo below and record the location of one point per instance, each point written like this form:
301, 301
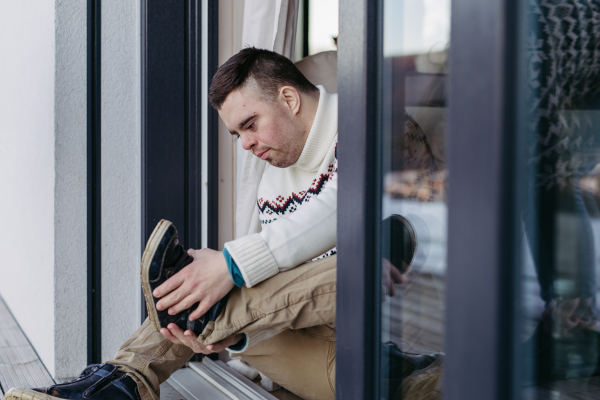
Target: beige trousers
301, 302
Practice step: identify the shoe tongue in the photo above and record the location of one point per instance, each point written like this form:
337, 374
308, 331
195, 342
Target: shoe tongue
174, 253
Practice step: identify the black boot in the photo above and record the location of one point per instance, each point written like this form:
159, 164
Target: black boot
96, 382
397, 366
163, 258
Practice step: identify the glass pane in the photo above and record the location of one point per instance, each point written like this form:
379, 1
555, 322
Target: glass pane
558, 345
413, 113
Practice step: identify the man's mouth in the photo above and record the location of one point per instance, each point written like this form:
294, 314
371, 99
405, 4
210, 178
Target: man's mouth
262, 155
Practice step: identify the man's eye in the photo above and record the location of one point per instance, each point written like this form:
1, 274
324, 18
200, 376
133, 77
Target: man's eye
252, 126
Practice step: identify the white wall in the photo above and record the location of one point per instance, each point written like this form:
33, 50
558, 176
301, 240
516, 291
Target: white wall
27, 168
70, 196
43, 158
121, 173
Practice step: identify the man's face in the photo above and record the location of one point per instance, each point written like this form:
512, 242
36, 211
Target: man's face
271, 130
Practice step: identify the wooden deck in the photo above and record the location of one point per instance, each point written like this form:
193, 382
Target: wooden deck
20, 365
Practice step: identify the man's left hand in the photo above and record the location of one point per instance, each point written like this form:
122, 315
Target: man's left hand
206, 280
189, 339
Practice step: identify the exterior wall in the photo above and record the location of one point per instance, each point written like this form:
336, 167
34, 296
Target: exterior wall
70, 196
43, 153
121, 173
27, 165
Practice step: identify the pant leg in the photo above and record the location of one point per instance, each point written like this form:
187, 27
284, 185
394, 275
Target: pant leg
150, 358
302, 297
302, 361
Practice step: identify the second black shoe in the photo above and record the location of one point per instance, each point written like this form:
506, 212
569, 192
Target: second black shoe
163, 257
96, 382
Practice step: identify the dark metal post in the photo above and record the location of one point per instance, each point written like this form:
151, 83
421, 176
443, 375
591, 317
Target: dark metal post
213, 130
94, 237
482, 225
358, 210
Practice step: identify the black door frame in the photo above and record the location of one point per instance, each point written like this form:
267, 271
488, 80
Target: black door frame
482, 226
171, 112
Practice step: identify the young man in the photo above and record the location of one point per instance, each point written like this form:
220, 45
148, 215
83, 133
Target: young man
269, 295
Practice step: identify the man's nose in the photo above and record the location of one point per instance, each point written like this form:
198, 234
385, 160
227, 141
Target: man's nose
248, 142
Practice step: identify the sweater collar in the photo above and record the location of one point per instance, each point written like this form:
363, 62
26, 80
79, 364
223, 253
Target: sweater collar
322, 133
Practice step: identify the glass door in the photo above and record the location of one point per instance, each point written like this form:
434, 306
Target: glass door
558, 339
412, 190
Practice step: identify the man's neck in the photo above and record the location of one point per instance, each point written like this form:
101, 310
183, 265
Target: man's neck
310, 104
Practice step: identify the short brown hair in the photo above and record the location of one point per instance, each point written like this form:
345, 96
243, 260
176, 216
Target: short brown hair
270, 70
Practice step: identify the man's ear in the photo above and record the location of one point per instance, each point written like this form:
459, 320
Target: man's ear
290, 96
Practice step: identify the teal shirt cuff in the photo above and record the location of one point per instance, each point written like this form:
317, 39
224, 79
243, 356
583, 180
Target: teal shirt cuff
234, 271
239, 345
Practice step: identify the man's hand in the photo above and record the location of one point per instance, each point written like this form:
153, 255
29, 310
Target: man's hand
560, 317
205, 280
189, 339
390, 276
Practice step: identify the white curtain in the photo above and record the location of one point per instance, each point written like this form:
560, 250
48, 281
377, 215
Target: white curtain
271, 25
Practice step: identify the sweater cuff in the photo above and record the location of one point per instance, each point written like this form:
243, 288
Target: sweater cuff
253, 258
253, 338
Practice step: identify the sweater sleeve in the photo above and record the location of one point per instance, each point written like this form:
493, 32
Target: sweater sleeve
289, 241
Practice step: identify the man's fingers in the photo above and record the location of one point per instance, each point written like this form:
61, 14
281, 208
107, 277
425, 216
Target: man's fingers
171, 284
397, 277
223, 344
201, 310
392, 290
170, 299
167, 333
183, 304
178, 333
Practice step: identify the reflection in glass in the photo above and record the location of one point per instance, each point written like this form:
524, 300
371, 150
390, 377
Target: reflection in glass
413, 180
558, 348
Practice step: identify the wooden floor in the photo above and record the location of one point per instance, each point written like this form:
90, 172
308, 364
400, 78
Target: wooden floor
20, 365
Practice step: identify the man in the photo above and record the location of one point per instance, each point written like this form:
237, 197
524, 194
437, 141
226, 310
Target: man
269, 295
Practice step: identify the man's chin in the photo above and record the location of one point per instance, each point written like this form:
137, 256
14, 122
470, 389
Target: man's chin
277, 163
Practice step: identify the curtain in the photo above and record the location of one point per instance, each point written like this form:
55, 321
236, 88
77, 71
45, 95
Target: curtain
271, 25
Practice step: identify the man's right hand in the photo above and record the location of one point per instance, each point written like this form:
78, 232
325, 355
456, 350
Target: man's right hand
189, 339
390, 276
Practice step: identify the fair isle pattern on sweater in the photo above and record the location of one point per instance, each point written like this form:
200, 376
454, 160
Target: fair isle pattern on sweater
271, 209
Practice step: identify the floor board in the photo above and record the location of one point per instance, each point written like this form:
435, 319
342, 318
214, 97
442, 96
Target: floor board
168, 392
20, 365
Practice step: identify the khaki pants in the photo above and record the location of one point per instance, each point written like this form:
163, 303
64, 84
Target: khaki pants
301, 302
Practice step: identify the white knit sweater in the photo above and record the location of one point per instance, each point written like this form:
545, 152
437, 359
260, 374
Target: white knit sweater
297, 205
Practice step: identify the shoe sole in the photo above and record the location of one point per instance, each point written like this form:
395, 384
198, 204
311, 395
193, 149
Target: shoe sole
149, 252
27, 394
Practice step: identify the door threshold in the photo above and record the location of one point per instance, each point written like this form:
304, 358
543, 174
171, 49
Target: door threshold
216, 380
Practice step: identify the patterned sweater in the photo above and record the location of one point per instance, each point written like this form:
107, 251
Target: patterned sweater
297, 205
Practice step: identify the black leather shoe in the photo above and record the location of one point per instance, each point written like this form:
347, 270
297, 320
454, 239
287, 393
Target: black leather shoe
400, 370
96, 382
163, 257
399, 241
401, 364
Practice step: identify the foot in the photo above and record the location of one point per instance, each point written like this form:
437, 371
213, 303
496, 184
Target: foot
404, 373
96, 382
401, 364
163, 257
